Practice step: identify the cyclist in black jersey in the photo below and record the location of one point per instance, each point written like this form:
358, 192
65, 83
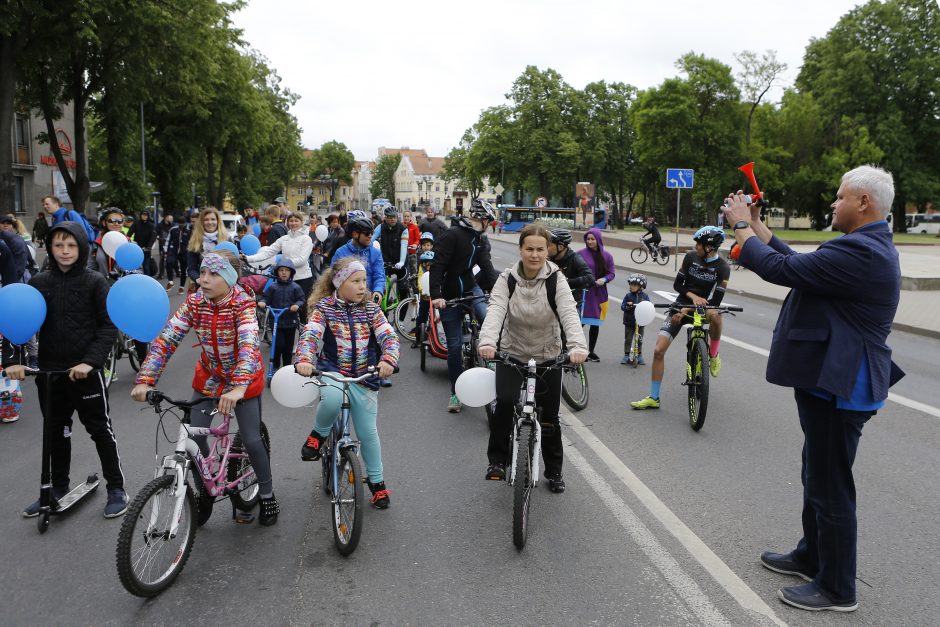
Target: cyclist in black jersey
701, 280
651, 238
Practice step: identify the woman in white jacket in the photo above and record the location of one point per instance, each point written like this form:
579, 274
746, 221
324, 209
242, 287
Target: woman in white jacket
296, 246
526, 327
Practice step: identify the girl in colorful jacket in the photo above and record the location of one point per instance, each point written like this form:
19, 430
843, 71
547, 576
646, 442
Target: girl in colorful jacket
223, 316
344, 331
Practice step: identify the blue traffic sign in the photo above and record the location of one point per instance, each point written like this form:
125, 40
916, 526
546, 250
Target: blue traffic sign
679, 178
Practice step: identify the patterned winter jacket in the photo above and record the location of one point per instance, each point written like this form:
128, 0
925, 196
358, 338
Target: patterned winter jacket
343, 337
228, 333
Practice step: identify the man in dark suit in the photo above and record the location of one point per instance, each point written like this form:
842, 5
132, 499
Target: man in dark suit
829, 345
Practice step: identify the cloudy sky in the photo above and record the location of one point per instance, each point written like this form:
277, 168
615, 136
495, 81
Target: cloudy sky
373, 73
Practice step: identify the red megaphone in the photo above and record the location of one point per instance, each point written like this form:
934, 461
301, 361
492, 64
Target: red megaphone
748, 169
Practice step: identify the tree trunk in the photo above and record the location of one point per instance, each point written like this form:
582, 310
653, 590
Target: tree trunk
210, 175
76, 187
9, 47
223, 174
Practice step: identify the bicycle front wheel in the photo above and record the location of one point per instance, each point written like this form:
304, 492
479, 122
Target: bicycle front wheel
264, 333
148, 558
574, 387
635, 349
406, 317
698, 377
639, 255
246, 495
347, 502
522, 486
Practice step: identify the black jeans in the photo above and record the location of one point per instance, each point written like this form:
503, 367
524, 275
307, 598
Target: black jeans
547, 397
284, 346
89, 397
830, 534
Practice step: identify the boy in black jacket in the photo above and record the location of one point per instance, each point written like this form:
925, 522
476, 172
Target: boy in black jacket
283, 293
77, 336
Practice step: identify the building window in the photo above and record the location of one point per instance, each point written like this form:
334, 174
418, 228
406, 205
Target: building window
18, 203
22, 137
437, 187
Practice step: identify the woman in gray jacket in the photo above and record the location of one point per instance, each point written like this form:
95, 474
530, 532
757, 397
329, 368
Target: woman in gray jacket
526, 326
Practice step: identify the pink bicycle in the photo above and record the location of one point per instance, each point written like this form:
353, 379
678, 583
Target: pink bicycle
160, 525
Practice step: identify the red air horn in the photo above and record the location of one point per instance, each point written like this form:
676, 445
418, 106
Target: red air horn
748, 169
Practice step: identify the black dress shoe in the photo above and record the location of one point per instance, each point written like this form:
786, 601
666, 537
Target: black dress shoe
785, 564
809, 597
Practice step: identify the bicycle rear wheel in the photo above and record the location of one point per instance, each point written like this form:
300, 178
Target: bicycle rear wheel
406, 317
522, 486
148, 559
698, 383
246, 493
663, 257
639, 255
574, 387
347, 502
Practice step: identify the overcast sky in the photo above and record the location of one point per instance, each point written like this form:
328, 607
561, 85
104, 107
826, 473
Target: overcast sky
377, 73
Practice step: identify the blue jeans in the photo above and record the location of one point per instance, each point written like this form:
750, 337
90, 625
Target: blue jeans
830, 530
452, 321
363, 407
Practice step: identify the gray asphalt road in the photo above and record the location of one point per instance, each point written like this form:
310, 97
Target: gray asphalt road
660, 525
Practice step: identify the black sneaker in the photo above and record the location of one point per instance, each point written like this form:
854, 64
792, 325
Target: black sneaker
268, 509
808, 596
593, 357
32, 510
380, 495
117, 503
784, 564
556, 483
496, 472
311, 450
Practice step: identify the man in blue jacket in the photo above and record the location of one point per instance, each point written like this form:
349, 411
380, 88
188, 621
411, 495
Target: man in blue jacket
360, 245
829, 345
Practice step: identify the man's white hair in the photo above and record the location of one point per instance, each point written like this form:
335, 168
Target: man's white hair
874, 181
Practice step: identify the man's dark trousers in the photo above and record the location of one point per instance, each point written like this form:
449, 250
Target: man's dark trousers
831, 437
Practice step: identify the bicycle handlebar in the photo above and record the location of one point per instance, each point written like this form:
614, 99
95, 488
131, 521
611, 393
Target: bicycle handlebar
554, 362
335, 376
466, 299
155, 397
35, 372
691, 306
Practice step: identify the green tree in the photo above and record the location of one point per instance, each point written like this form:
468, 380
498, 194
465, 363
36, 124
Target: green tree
757, 76
383, 177
334, 160
879, 69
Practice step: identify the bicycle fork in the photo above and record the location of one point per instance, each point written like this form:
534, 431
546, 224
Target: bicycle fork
528, 416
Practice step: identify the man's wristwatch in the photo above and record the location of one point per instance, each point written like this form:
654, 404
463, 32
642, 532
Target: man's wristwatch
741, 224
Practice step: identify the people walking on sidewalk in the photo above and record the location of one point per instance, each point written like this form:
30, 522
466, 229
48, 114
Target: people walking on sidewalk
829, 344
601, 264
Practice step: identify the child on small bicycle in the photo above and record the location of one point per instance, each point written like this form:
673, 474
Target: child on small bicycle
634, 297
425, 259
284, 293
222, 315
343, 334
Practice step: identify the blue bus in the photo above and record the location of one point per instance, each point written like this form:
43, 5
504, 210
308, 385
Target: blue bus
515, 218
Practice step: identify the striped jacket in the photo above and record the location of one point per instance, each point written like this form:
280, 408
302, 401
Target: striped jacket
228, 333
343, 337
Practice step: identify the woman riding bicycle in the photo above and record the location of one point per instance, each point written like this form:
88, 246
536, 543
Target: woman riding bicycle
524, 324
343, 334
223, 316
701, 280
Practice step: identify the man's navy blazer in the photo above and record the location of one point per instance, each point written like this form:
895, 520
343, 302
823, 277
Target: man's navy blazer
843, 299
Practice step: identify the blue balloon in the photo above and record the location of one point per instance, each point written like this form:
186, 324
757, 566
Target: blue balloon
229, 246
129, 256
256, 229
22, 312
139, 306
250, 244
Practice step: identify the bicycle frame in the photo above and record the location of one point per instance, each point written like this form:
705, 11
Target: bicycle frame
525, 413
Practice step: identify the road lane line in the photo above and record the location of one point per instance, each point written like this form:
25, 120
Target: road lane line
683, 585
763, 352
734, 585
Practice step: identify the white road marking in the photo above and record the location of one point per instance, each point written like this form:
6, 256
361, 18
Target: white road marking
683, 585
763, 352
734, 585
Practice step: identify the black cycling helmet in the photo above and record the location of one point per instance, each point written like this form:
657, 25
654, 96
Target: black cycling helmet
709, 236
391, 211
637, 279
561, 236
363, 225
482, 210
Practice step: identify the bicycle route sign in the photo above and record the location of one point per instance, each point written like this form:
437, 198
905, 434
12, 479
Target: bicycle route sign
679, 178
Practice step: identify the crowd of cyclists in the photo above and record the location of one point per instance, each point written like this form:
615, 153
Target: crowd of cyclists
331, 288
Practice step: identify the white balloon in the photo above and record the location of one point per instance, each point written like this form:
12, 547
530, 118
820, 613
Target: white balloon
111, 241
425, 284
291, 389
476, 387
645, 313
321, 232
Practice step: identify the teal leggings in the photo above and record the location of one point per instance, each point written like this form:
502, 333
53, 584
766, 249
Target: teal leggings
364, 405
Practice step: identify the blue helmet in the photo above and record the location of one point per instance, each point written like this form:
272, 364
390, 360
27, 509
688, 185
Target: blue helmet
709, 236
427, 235
427, 255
